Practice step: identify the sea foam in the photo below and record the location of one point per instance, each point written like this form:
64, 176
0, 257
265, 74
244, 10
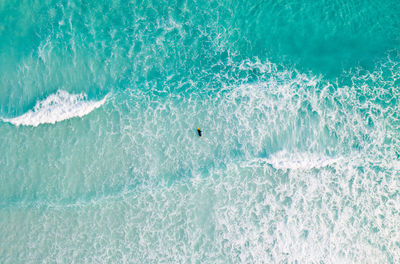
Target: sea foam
294, 161
57, 107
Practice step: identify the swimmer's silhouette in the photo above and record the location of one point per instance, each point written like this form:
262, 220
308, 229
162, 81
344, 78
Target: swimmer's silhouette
199, 131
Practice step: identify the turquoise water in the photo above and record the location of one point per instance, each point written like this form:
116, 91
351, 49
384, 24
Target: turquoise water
298, 102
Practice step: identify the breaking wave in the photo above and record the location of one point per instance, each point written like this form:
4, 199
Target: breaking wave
295, 161
57, 107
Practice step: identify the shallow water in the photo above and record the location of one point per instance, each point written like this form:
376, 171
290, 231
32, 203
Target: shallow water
298, 102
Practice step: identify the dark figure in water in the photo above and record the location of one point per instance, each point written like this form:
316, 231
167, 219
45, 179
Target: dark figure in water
199, 131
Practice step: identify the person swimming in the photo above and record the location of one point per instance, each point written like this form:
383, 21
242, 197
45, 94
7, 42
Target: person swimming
199, 131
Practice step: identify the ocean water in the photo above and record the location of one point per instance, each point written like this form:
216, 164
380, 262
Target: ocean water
298, 101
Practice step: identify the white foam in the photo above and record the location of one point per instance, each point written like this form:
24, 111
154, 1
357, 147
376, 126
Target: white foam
57, 107
295, 161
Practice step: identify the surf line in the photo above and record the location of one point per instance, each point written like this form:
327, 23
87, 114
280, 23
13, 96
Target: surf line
56, 108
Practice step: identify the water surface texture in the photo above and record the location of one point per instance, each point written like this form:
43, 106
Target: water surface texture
298, 101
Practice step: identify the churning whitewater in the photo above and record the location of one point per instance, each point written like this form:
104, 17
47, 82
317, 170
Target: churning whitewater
55, 108
298, 104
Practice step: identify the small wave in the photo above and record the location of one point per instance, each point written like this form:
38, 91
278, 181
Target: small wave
57, 107
295, 161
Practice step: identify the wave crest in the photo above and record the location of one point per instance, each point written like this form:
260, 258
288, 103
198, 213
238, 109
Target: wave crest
295, 161
57, 107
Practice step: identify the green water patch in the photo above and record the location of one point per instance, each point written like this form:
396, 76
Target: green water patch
322, 36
